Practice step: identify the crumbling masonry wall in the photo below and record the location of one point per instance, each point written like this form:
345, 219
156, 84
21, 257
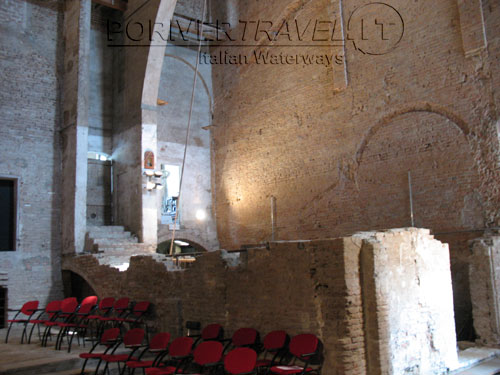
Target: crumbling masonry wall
308, 286
485, 284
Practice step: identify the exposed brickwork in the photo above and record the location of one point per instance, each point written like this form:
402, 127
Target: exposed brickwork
485, 284
30, 50
302, 287
420, 111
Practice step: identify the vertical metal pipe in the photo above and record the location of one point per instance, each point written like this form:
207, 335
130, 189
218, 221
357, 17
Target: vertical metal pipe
273, 219
411, 199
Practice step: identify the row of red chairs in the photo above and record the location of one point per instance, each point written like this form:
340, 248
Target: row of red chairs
73, 319
207, 353
277, 354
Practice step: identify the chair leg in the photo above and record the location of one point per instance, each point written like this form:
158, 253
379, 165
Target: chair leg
8, 331
83, 366
31, 332
24, 333
98, 365
45, 335
71, 341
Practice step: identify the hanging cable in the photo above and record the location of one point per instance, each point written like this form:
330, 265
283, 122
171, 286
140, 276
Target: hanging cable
195, 79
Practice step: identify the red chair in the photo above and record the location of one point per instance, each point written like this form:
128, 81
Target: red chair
179, 355
212, 332
28, 309
108, 339
132, 341
157, 347
136, 315
208, 354
245, 337
240, 361
78, 324
48, 314
104, 308
120, 310
306, 350
275, 343
69, 307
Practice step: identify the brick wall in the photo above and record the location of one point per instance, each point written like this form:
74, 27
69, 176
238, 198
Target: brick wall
312, 286
30, 46
485, 283
337, 161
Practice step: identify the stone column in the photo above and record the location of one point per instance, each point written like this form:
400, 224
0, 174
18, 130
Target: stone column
484, 275
75, 124
408, 303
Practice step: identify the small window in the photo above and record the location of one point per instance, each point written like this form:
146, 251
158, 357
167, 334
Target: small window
8, 205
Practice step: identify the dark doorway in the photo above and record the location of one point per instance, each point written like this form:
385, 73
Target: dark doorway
3, 307
76, 286
7, 214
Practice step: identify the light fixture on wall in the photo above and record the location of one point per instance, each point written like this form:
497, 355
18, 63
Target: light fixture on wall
201, 214
151, 179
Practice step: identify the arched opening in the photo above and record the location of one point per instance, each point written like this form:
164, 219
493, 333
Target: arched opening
184, 251
76, 286
427, 152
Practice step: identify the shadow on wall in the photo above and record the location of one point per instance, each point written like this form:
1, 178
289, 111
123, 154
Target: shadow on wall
76, 286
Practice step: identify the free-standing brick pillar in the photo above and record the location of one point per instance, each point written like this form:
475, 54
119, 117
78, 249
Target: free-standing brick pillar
408, 303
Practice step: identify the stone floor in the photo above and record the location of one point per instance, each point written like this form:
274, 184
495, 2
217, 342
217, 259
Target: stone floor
24, 359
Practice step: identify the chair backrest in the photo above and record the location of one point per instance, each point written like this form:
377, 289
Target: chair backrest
159, 341
208, 352
69, 305
52, 308
86, 308
240, 361
275, 340
181, 347
121, 305
133, 337
106, 304
303, 344
91, 299
245, 337
109, 335
212, 332
29, 308
140, 308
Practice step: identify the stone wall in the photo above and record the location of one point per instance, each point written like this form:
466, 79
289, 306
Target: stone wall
408, 303
176, 87
317, 286
31, 50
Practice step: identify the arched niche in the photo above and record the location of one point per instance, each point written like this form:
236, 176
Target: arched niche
75, 285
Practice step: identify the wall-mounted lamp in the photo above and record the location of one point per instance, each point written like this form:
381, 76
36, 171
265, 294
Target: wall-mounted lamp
152, 176
201, 215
